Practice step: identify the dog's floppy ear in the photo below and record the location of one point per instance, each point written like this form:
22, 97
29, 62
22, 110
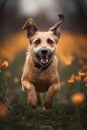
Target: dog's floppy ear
55, 27
31, 27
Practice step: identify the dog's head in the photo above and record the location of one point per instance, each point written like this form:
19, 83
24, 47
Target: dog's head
43, 44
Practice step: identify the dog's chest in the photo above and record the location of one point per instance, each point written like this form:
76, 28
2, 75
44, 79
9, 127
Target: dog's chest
42, 80
41, 77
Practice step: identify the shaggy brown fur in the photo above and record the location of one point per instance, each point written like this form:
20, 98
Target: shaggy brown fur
41, 65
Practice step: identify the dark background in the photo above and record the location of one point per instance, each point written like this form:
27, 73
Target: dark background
69, 110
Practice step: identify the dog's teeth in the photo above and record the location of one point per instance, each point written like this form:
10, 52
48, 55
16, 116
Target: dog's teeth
44, 60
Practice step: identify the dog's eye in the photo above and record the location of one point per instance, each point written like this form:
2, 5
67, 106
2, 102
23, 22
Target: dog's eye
38, 41
49, 41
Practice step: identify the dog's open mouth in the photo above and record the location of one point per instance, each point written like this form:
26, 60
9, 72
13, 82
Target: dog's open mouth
44, 59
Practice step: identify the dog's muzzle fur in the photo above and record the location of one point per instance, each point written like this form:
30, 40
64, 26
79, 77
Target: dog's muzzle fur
44, 55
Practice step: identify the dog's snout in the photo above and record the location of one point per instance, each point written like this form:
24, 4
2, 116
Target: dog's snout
44, 51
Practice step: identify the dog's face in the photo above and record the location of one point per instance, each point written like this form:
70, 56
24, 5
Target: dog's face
42, 44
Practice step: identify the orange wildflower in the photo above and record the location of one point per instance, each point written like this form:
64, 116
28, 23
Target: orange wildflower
77, 98
3, 110
71, 81
82, 74
4, 64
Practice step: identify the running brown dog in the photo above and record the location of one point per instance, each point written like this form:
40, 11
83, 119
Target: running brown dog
40, 70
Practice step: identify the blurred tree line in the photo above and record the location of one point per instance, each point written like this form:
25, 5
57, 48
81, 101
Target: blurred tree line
75, 12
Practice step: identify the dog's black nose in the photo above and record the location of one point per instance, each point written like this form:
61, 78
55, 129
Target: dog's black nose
44, 51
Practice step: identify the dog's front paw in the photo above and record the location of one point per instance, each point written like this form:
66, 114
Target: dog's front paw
48, 104
32, 100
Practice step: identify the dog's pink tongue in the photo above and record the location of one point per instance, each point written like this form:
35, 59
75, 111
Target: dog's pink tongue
44, 59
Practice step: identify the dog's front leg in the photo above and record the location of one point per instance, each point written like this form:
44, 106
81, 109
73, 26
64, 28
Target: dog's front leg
50, 95
32, 94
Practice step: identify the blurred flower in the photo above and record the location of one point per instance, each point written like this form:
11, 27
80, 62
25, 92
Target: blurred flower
71, 81
86, 85
3, 110
7, 73
85, 79
82, 74
16, 80
13, 45
68, 62
77, 78
77, 98
5, 64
